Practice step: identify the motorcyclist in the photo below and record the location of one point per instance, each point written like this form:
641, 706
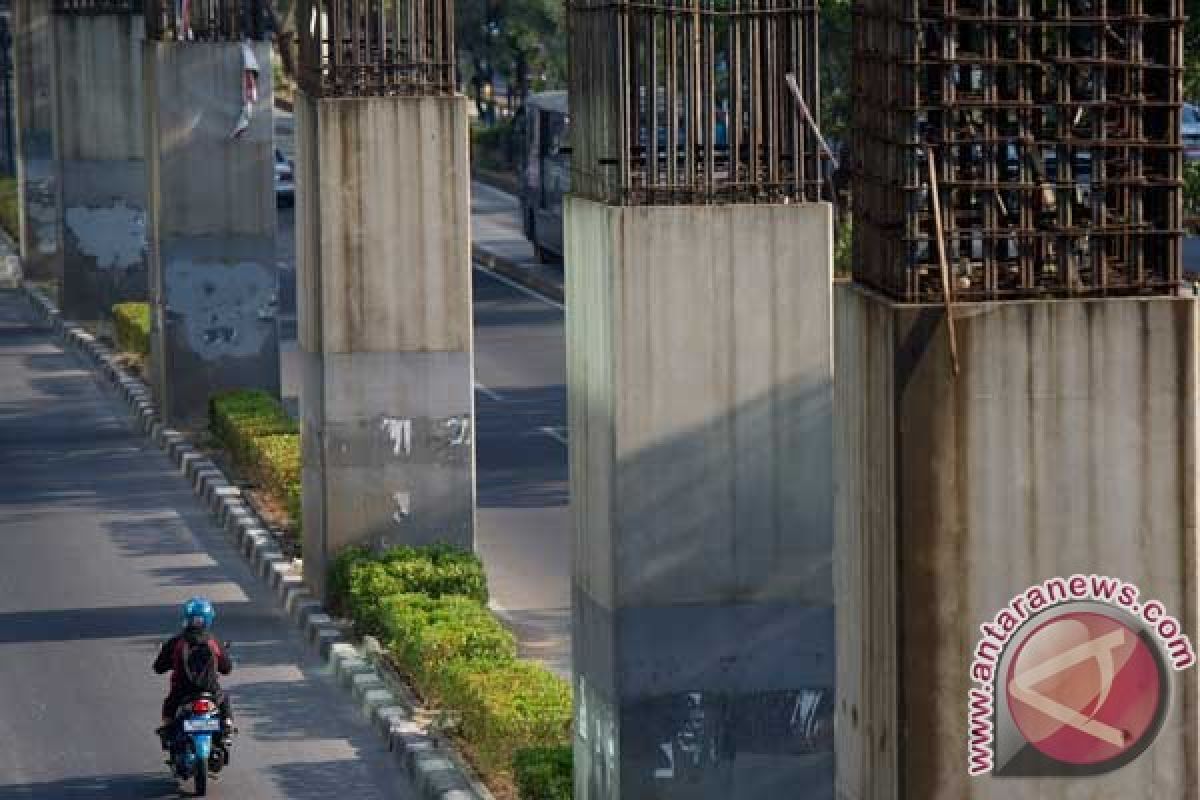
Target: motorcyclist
194, 658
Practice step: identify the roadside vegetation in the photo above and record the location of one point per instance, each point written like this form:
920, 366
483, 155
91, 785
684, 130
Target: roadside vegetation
131, 322
544, 773
427, 606
10, 214
263, 443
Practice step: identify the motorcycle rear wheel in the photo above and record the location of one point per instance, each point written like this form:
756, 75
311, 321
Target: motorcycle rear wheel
201, 777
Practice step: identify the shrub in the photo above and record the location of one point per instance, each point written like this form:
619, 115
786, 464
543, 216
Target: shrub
440, 569
10, 212
341, 573
843, 247
426, 636
132, 323
236, 418
274, 460
544, 773
508, 708
494, 146
360, 580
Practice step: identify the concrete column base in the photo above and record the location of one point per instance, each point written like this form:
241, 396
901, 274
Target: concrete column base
1066, 445
99, 139
39, 214
384, 302
34, 62
212, 214
700, 397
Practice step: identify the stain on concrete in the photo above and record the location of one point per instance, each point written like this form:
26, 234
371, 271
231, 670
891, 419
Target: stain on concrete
219, 307
114, 236
41, 215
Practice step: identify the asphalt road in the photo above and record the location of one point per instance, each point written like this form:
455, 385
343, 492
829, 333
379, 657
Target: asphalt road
523, 523
100, 542
521, 471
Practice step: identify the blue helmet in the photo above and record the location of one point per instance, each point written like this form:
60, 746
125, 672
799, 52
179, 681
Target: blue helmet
198, 613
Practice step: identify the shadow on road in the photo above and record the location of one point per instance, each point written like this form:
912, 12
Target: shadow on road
124, 622
519, 466
149, 786
324, 779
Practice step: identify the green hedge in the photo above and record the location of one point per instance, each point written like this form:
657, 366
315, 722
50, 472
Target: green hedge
508, 708
132, 323
237, 418
275, 462
10, 212
428, 604
544, 773
263, 441
360, 580
427, 636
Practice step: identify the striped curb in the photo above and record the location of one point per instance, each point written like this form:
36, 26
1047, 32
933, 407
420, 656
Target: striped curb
435, 769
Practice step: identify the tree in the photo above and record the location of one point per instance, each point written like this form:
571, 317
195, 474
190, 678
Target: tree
836, 46
524, 40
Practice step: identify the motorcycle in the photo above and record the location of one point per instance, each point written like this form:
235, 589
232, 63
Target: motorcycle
199, 741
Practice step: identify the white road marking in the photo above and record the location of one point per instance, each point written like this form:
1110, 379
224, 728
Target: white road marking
554, 434
479, 387
525, 290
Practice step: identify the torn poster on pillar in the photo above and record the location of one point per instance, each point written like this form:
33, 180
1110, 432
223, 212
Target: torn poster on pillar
183, 13
249, 91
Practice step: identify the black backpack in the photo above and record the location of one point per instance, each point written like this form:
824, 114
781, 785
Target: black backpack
199, 665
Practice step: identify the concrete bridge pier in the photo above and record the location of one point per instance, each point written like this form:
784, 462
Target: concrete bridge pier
211, 224
99, 138
385, 326
1066, 445
700, 394
34, 59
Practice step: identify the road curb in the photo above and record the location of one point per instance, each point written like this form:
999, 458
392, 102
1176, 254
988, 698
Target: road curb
435, 770
516, 272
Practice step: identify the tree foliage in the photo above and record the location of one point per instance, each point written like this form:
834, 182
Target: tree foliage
525, 40
836, 46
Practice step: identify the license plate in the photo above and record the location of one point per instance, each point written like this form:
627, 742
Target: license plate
201, 725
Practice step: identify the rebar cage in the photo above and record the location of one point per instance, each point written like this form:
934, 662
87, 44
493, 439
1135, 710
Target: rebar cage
352, 48
1054, 131
207, 20
686, 101
84, 7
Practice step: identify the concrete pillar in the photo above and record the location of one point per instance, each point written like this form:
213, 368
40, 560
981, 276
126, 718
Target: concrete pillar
102, 178
34, 60
700, 396
1066, 445
384, 308
212, 226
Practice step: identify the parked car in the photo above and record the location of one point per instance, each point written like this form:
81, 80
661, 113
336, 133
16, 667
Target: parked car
285, 181
1191, 132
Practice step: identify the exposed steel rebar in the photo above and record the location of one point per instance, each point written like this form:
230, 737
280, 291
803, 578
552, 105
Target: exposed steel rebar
206, 20
85, 7
1056, 125
685, 101
351, 48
